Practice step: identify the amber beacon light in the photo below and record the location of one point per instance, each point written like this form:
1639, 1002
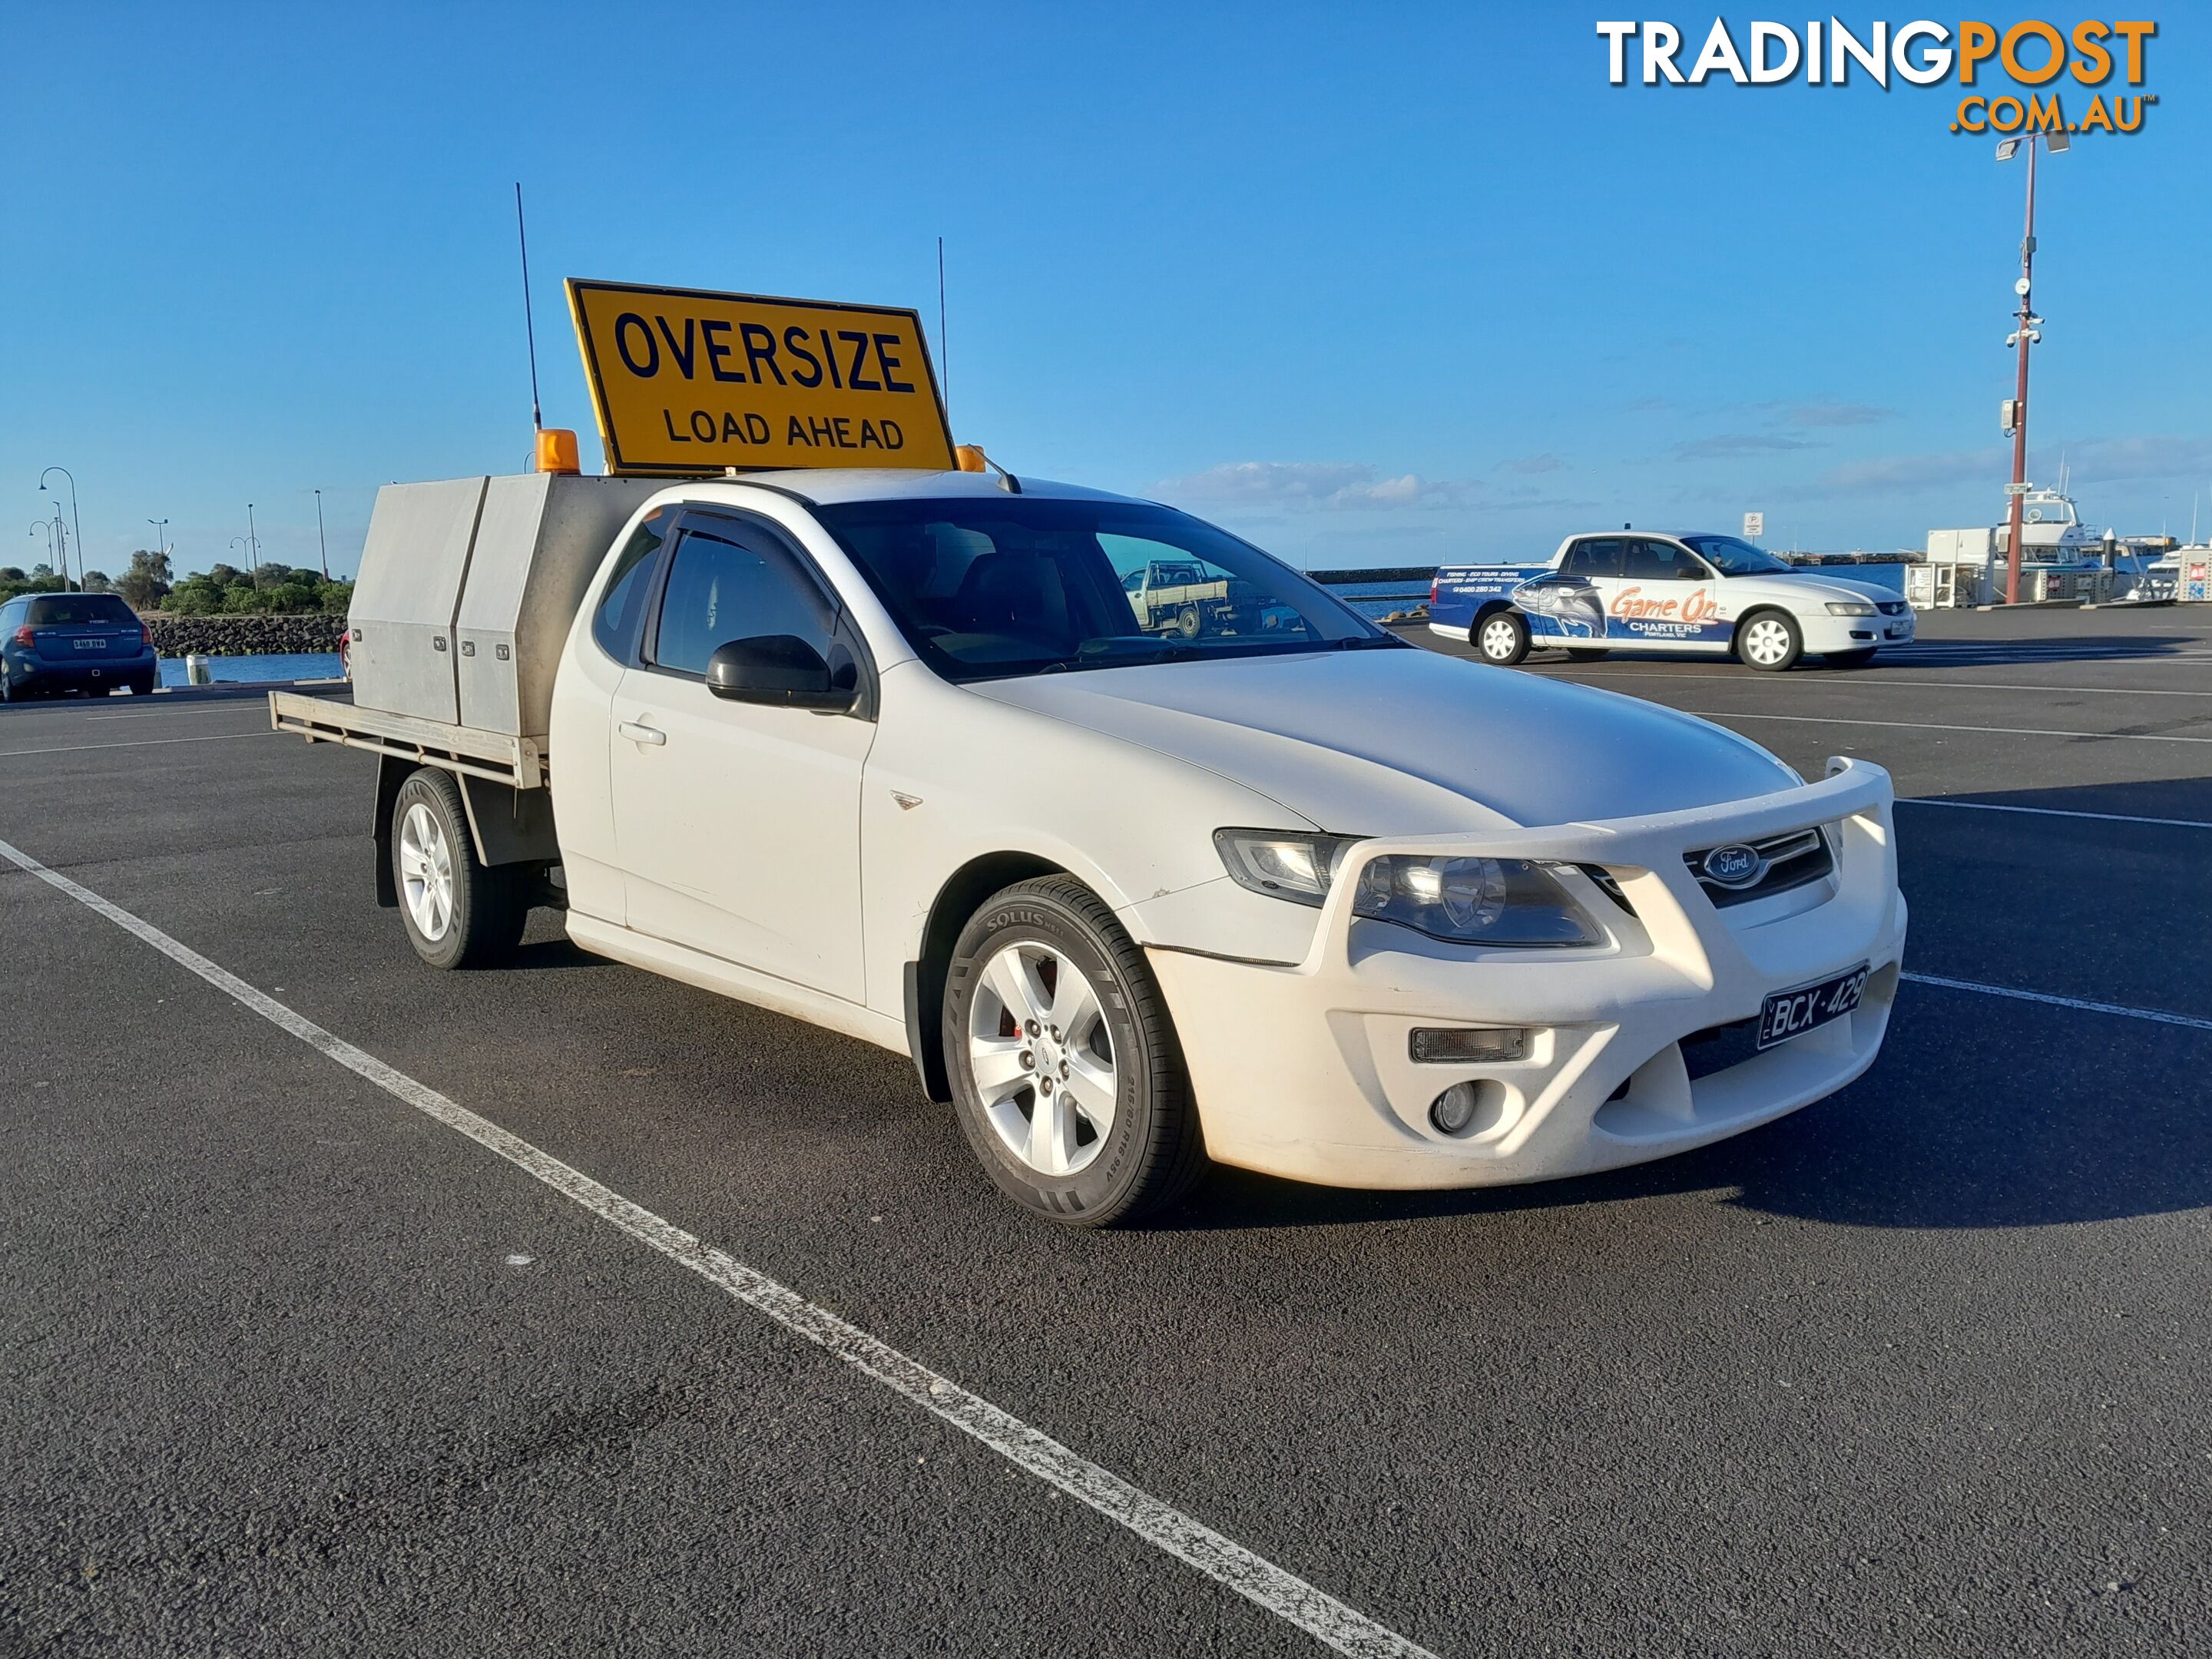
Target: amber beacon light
556, 450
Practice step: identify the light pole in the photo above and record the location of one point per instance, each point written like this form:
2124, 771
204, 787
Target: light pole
322, 540
161, 535
76, 522
47, 524
252, 545
2027, 332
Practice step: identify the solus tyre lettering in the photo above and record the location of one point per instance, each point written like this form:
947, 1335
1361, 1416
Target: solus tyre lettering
1155, 1150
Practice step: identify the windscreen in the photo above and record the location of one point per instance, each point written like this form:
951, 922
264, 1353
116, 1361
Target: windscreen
61, 610
989, 589
1732, 558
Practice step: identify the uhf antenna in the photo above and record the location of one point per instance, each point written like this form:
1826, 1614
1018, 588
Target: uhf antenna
529, 324
944, 355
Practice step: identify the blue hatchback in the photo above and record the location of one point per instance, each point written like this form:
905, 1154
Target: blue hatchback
52, 643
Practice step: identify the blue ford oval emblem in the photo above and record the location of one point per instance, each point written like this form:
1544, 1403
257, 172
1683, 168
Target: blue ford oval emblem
1734, 866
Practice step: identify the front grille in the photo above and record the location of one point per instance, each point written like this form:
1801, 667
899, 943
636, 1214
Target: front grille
1792, 860
1891, 607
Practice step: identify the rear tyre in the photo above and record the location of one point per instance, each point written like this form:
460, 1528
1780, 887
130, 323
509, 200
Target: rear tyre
1065, 1072
459, 913
1501, 638
1770, 641
1850, 659
142, 686
1574, 655
1187, 623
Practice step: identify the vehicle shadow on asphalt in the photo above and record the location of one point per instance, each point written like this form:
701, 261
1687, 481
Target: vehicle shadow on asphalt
1928, 650
1982, 1110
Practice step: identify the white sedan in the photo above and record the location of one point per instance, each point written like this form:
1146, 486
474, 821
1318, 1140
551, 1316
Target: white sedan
1696, 591
891, 751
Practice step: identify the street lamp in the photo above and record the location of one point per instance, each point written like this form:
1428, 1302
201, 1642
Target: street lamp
161, 535
252, 545
322, 540
77, 523
2027, 332
47, 524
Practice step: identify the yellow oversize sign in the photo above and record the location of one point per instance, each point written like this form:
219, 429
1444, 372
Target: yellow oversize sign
685, 382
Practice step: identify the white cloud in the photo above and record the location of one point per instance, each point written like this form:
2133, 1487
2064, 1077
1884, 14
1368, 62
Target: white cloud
1726, 444
2115, 459
1910, 472
1826, 411
1333, 484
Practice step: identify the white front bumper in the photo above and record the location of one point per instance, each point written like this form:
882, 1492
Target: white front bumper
1303, 1071
1824, 633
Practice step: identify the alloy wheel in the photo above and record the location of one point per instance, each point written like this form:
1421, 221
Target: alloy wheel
1043, 1059
426, 871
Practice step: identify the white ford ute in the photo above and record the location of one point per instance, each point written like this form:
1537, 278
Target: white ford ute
891, 752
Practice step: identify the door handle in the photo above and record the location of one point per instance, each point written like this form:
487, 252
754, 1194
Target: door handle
637, 732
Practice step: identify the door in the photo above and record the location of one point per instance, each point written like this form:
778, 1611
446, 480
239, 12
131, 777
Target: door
738, 825
1666, 597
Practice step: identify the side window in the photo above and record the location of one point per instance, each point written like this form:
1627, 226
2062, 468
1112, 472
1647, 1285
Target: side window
614, 626
1660, 561
722, 588
1599, 557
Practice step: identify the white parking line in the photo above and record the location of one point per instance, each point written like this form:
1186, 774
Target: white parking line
2053, 812
1321, 1615
224, 705
1929, 725
133, 743
1825, 683
2156, 1015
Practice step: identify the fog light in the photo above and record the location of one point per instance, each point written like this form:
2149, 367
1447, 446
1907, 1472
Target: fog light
1454, 1109
1438, 1045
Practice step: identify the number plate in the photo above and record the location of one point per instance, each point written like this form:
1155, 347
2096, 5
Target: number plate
89, 645
1786, 1014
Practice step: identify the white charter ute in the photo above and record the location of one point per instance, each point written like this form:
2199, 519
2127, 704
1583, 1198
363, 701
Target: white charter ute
894, 751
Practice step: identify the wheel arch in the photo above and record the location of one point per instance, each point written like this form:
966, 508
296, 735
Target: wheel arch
961, 895
1760, 608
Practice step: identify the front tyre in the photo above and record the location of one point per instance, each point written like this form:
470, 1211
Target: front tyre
1501, 638
1770, 641
459, 913
1064, 1069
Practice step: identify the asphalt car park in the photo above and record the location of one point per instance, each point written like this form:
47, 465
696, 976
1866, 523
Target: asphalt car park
293, 1366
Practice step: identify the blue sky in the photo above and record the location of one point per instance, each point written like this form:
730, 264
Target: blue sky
1371, 287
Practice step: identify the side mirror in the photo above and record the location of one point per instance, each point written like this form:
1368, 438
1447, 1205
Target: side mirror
779, 669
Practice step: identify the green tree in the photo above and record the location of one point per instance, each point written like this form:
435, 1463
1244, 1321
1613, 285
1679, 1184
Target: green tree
12, 573
98, 581
302, 577
146, 583
225, 575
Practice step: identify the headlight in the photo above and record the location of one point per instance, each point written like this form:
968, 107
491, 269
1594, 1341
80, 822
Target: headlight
1851, 608
1466, 901
1281, 863
1475, 901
